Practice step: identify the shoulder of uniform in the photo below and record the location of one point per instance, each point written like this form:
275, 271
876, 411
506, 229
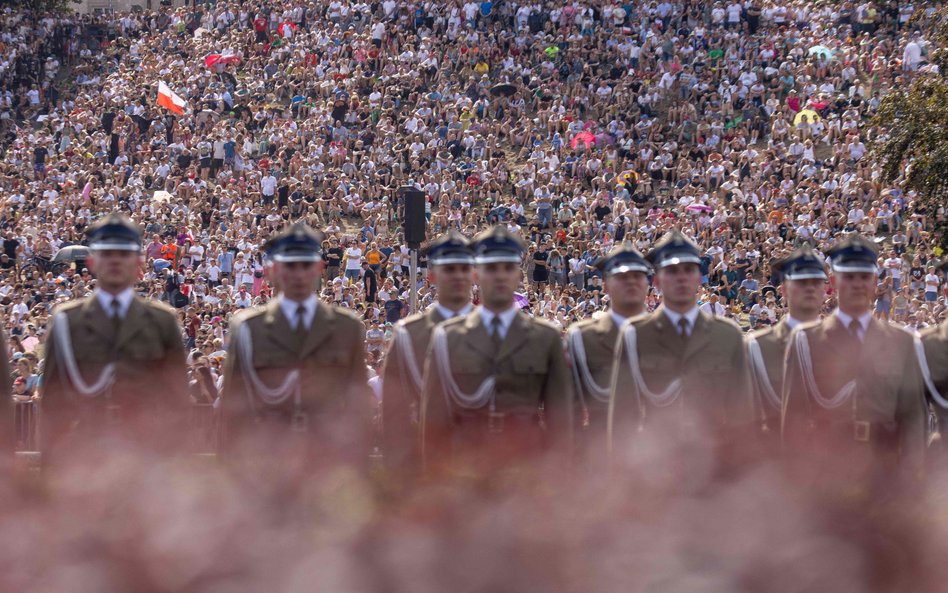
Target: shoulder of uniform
153, 305
70, 306
247, 314
343, 314
901, 330
585, 324
411, 320
452, 325
727, 324
759, 334
931, 333
545, 326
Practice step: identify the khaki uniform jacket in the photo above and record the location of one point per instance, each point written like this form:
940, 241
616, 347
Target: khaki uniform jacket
773, 348
529, 369
401, 398
711, 365
335, 397
149, 397
888, 403
599, 340
935, 340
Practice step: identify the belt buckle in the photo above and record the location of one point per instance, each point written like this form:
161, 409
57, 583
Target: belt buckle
299, 422
495, 422
861, 430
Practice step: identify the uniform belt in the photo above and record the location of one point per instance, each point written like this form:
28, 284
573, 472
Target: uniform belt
500, 422
872, 433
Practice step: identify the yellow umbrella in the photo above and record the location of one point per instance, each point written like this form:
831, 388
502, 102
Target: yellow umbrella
811, 116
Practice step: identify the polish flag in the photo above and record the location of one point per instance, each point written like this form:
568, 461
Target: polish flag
169, 100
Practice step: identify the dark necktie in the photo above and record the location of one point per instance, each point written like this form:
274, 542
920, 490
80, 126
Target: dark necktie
300, 330
854, 327
495, 334
116, 315
683, 328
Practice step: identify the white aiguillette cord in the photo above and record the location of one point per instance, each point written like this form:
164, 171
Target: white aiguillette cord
67, 359
802, 345
662, 399
468, 401
760, 372
926, 371
581, 366
406, 351
270, 395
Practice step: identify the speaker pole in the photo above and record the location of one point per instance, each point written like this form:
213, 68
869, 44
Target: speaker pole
413, 288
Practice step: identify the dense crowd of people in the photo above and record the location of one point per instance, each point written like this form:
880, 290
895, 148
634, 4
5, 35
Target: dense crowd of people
746, 125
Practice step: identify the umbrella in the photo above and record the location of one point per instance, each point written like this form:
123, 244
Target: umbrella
222, 59
504, 89
71, 254
161, 196
811, 116
586, 138
286, 29
627, 177
521, 300
699, 208
822, 51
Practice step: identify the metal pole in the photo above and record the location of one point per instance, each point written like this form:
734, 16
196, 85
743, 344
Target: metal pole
413, 287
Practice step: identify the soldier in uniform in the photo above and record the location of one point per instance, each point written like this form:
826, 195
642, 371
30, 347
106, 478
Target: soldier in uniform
295, 374
679, 373
934, 364
591, 342
852, 393
803, 286
115, 362
489, 372
451, 270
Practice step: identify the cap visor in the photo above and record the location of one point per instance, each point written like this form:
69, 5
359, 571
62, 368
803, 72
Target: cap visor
628, 268
451, 259
856, 268
805, 276
289, 258
125, 246
674, 261
493, 259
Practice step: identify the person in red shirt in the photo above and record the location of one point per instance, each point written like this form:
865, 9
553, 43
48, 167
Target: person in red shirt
260, 27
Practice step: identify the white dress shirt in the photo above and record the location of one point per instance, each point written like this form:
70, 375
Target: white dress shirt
448, 313
862, 319
124, 299
691, 316
618, 319
289, 308
506, 318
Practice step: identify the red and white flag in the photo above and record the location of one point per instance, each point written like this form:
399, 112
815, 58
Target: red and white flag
169, 100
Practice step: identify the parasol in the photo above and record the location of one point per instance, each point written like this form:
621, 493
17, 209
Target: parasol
586, 138
822, 51
161, 196
71, 253
521, 300
811, 116
223, 59
504, 89
699, 208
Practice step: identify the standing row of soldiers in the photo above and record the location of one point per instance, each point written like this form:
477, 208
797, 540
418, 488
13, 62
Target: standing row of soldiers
465, 387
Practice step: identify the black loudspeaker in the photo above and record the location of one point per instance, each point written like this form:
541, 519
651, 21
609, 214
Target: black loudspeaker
414, 223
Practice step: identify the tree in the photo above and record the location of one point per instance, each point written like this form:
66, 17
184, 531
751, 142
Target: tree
913, 148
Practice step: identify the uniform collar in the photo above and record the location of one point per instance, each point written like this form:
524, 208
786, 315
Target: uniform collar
862, 319
289, 307
618, 319
691, 316
506, 317
449, 313
124, 298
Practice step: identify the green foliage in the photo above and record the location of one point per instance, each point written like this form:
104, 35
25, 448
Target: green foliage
914, 148
46, 5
